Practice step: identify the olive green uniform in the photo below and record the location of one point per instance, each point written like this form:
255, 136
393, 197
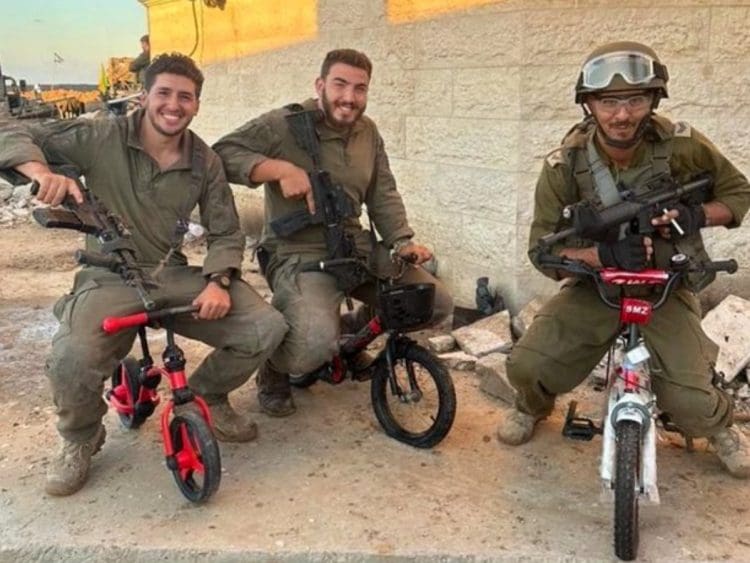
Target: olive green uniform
574, 329
357, 161
150, 201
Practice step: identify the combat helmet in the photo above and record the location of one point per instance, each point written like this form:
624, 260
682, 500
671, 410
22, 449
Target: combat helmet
623, 65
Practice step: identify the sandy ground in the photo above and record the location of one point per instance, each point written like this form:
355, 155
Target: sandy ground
327, 483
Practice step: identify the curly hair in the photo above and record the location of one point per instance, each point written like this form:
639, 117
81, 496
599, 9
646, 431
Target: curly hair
174, 63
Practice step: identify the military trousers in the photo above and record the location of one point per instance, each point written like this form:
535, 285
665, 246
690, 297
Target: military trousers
84, 356
574, 330
311, 304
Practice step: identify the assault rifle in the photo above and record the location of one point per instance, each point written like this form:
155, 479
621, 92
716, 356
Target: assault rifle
93, 218
662, 194
332, 205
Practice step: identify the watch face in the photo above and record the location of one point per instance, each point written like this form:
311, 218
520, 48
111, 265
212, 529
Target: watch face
223, 281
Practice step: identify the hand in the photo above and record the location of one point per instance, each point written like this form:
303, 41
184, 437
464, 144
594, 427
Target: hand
690, 218
414, 253
631, 253
53, 188
295, 184
214, 302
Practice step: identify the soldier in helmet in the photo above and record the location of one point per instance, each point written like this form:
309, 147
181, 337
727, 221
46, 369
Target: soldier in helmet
620, 145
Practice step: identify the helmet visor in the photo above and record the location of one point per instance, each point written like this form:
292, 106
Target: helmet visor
634, 68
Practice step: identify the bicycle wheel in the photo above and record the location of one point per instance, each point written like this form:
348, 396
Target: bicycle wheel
627, 472
196, 463
421, 410
130, 368
303, 381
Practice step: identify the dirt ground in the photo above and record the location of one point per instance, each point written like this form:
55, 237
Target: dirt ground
326, 484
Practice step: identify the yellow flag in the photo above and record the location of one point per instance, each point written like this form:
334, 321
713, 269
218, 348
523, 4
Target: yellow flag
103, 85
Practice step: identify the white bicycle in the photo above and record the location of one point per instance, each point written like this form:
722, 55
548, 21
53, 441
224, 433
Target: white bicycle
628, 427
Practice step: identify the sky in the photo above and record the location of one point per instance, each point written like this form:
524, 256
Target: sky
84, 33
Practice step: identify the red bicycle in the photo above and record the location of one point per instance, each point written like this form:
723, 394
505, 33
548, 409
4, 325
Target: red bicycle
190, 448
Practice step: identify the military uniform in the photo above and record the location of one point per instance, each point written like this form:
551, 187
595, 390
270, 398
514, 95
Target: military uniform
357, 161
574, 329
150, 201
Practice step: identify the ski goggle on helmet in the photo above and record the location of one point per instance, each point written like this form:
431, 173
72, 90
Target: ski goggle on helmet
622, 66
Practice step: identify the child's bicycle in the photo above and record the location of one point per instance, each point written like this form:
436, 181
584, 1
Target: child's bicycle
411, 390
628, 464
189, 444
190, 447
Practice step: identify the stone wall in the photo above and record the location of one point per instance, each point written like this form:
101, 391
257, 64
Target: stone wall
470, 95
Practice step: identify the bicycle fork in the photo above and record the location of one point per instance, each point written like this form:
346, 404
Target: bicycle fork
630, 398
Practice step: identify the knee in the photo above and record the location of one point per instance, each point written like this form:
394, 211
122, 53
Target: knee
72, 366
304, 352
696, 411
272, 328
527, 367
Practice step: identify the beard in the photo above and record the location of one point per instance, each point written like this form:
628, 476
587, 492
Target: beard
329, 108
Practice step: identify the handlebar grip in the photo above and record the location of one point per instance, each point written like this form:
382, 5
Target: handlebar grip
729, 266
111, 325
551, 260
89, 258
34, 189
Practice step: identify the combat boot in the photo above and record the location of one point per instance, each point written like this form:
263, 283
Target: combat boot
68, 472
733, 449
516, 427
229, 425
274, 392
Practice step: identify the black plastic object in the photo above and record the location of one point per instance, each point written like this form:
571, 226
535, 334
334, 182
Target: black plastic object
406, 306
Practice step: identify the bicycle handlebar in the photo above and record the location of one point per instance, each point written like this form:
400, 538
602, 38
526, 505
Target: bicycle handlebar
111, 325
612, 276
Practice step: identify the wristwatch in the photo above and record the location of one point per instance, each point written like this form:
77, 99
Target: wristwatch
222, 279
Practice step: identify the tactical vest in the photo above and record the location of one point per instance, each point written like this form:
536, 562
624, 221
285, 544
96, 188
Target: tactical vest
589, 174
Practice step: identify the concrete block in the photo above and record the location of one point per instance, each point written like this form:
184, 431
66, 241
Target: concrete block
728, 325
491, 334
453, 41
487, 92
675, 33
729, 37
442, 343
469, 142
494, 379
459, 360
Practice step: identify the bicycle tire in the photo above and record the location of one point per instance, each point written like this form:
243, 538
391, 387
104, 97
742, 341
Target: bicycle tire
131, 368
415, 356
627, 471
197, 461
303, 381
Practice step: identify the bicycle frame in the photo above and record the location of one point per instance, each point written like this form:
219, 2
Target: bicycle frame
173, 368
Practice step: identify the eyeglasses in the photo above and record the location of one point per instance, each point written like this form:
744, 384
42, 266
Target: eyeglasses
634, 68
611, 104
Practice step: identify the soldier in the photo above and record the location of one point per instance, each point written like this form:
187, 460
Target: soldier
139, 64
264, 150
619, 86
151, 170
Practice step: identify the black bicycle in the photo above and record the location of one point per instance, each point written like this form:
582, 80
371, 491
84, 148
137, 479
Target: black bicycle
411, 390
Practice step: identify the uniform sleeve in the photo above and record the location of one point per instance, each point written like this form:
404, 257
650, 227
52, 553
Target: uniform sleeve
552, 194
64, 142
244, 148
139, 63
226, 243
384, 203
730, 186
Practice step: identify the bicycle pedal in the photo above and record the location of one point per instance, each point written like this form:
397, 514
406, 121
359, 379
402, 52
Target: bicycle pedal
579, 428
